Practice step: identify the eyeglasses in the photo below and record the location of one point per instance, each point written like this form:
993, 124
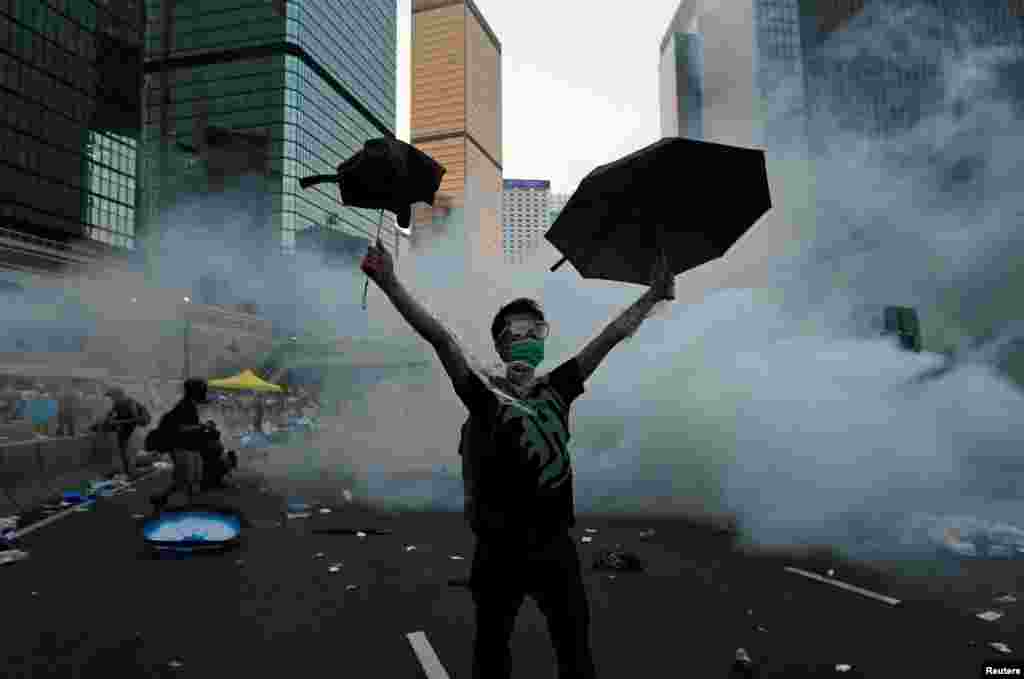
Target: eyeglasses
525, 328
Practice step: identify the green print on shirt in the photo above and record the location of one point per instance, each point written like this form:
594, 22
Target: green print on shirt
541, 429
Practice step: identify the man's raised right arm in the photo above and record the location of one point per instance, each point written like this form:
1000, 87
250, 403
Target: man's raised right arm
379, 266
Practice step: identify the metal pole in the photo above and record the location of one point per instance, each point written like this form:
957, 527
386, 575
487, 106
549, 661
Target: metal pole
188, 370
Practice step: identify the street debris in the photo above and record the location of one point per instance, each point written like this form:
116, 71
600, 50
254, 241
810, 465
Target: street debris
590, 530
350, 588
319, 555
760, 628
299, 515
649, 533
456, 557
334, 568
990, 616
8, 523
176, 664
618, 560
162, 465
742, 666
347, 494
586, 539
12, 555
325, 510
82, 508
844, 668
362, 533
240, 562
1000, 646
830, 573
138, 516
1006, 599
410, 548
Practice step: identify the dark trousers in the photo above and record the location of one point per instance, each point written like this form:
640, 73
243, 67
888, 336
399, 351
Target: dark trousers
501, 578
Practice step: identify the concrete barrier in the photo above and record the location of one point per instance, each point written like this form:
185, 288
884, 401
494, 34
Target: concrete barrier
30, 463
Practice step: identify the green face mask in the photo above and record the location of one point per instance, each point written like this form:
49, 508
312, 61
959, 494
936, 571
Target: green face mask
529, 351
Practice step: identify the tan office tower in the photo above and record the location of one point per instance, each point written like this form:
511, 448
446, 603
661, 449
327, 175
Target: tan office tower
456, 118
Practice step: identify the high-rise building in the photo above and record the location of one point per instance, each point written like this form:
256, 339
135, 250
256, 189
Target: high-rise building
70, 76
456, 119
245, 97
525, 210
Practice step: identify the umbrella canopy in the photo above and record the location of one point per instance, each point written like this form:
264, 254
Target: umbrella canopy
247, 380
387, 174
692, 199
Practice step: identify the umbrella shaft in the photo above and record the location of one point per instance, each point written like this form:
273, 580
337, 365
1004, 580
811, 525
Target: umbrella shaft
560, 263
306, 182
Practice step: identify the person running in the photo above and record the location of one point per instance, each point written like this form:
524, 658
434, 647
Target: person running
517, 470
124, 416
182, 426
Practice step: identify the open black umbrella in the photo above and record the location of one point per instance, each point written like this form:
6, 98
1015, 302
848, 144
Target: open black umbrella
387, 174
691, 199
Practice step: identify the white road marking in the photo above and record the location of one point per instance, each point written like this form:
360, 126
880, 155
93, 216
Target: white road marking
425, 653
842, 585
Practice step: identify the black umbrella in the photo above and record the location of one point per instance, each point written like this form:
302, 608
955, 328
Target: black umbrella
387, 174
691, 199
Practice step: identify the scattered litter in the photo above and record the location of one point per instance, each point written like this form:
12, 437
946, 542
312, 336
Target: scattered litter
352, 531
334, 568
349, 588
12, 555
325, 510
990, 616
750, 611
649, 533
319, 555
844, 668
456, 557
240, 562
299, 515
618, 560
347, 494
760, 628
1000, 646
175, 664
586, 539
35, 593
410, 548
590, 530
162, 465
611, 577
830, 573
82, 508
743, 666
138, 516
1006, 599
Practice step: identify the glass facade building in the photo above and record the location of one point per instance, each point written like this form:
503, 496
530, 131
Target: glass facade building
270, 93
70, 80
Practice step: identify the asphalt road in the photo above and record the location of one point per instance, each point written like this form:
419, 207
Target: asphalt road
90, 602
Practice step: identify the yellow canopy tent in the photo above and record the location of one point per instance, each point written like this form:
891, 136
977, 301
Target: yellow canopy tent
246, 380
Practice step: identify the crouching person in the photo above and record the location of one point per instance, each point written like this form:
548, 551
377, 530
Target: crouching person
184, 434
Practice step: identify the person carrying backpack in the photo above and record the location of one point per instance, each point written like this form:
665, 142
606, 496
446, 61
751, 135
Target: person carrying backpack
124, 416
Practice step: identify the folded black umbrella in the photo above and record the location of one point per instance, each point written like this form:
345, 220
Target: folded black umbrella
691, 199
387, 174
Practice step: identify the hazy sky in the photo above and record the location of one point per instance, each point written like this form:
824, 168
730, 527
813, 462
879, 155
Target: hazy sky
580, 82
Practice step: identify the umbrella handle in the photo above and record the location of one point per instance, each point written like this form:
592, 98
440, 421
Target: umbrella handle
306, 182
560, 263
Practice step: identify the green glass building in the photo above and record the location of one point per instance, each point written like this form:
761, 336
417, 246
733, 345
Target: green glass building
271, 91
70, 119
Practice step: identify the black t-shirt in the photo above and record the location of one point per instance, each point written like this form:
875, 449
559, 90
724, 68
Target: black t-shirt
515, 456
125, 409
185, 413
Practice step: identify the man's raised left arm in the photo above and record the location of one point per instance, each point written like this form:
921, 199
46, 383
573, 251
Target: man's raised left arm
662, 287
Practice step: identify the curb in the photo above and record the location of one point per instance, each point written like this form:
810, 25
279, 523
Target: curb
71, 510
